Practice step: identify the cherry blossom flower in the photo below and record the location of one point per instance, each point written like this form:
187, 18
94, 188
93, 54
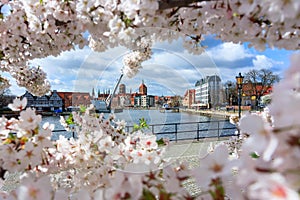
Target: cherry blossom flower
29, 121
212, 166
105, 144
148, 142
30, 155
18, 104
90, 166
261, 140
272, 187
34, 189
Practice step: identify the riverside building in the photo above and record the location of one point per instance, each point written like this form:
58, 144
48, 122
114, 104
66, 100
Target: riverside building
208, 92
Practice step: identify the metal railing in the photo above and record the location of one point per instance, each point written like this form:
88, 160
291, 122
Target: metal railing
191, 130
67, 134
184, 130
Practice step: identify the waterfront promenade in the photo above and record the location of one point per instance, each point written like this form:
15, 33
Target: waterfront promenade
212, 113
191, 152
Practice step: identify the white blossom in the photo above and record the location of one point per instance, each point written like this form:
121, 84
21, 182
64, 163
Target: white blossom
18, 104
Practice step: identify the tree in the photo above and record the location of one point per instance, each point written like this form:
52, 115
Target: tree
258, 82
52, 27
175, 101
92, 167
6, 98
231, 93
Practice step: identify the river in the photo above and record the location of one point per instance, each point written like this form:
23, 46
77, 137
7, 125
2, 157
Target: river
156, 117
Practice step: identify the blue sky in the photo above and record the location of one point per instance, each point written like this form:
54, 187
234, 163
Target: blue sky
170, 71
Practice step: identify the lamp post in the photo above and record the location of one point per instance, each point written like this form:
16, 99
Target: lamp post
239, 82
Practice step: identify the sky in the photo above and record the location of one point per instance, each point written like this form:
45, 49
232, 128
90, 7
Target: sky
170, 71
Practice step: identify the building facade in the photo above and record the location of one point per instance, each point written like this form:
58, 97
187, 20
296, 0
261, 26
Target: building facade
122, 89
143, 89
75, 99
188, 98
52, 102
251, 93
208, 91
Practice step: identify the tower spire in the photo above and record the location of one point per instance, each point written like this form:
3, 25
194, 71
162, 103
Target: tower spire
93, 93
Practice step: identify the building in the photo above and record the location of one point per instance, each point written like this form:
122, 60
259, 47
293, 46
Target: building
137, 101
55, 101
251, 93
208, 91
52, 102
188, 98
140, 99
150, 101
124, 100
122, 89
75, 99
147, 101
143, 89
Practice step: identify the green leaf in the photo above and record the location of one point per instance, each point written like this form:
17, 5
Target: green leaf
143, 123
136, 127
70, 120
82, 108
147, 195
254, 155
12, 136
160, 141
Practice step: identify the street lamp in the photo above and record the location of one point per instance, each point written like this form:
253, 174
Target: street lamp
239, 82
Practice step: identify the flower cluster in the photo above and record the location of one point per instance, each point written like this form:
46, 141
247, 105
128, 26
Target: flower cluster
23, 144
133, 61
32, 78
103, 162
107, 162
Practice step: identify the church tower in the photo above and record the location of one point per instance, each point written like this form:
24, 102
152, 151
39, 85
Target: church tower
93, 94
143, 88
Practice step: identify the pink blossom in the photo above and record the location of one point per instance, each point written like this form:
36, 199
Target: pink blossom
32, 189
18, 104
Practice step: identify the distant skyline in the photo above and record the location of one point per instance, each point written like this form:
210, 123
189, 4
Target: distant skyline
170, 71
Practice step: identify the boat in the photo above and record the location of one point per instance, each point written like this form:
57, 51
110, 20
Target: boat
100, 106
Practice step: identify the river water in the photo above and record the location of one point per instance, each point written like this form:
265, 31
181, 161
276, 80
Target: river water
156, 117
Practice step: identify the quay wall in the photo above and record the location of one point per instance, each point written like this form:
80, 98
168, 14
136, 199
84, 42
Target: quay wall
211, 113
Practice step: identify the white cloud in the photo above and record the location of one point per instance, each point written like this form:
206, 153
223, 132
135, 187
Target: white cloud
261, 61
171, 68
229, 52
56, 82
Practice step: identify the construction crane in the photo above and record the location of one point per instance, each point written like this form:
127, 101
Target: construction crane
110, 97
104, 106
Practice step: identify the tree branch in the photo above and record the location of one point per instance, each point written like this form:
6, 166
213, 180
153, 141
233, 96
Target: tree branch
166, 4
